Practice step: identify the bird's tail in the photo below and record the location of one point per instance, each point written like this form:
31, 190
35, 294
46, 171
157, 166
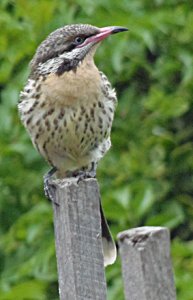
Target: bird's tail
109, 248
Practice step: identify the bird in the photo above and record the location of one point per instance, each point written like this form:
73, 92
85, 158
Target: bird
67, 107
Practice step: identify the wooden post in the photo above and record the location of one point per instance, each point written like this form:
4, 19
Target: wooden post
146, 264
78, 241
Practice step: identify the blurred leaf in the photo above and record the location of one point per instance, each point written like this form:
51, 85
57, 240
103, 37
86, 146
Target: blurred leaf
147, 176
31, 290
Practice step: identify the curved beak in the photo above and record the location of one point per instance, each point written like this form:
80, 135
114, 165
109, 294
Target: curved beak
113, 29
103, 33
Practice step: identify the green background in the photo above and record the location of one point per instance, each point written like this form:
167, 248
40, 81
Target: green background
147, 176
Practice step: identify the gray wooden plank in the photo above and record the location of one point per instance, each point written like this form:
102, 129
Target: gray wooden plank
78, 241
146, 264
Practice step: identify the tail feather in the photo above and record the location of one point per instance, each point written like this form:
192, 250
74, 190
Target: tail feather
109, 247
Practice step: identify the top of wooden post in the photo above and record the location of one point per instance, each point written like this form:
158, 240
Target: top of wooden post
146, 264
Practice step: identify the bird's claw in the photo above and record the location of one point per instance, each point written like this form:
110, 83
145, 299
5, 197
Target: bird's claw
49, 188
86, 173
81, 175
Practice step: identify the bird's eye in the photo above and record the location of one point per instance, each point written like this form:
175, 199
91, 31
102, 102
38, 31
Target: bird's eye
79, 40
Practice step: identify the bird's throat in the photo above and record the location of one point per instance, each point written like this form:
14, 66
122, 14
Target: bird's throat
82, 85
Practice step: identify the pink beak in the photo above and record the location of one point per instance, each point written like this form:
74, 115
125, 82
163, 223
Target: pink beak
104, 32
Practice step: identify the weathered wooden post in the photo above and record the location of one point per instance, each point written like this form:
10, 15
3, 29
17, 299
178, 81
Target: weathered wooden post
146, 264
78, 241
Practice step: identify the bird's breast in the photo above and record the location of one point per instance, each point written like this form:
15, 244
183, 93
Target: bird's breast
72, 87
69, 117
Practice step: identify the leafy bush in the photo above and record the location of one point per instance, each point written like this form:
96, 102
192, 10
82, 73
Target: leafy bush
145, 179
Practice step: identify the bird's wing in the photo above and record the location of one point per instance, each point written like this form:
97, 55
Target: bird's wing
108, 90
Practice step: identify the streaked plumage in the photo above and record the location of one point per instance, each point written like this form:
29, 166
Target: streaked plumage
68, 105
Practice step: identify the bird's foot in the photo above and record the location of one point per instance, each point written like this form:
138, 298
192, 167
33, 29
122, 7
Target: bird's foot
85, 173
49, 188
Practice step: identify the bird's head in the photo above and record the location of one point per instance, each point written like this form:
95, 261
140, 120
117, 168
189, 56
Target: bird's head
66, 47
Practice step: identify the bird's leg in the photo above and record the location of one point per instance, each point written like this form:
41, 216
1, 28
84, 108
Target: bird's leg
92, 172
86, 172
48, 190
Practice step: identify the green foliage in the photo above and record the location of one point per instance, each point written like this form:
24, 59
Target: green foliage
145, 179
